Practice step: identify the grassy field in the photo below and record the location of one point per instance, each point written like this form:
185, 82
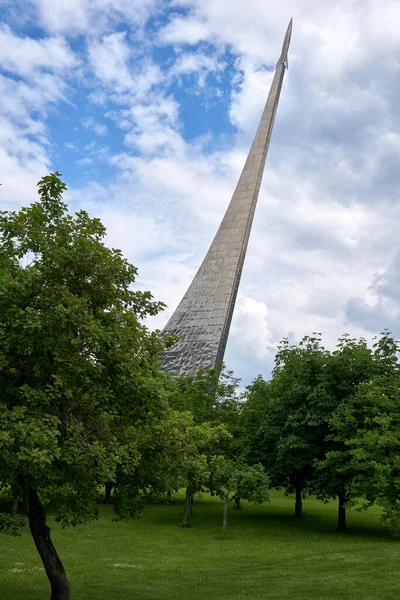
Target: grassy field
269, 556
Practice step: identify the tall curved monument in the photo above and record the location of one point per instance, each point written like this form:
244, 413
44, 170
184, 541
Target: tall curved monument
203, 317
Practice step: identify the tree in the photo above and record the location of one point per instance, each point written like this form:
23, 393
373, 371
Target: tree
351, 364
286, 417
202, 442
235, 478
368, 431
211, 397
78, 370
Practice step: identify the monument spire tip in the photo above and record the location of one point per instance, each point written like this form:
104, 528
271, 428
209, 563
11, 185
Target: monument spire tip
284, 58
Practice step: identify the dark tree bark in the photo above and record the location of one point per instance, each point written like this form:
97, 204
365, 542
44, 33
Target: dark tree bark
187, 509
191, 501
238, 506
298, 509
190, 492
225, 518
107, 493
342, 499
15, 494
41, 536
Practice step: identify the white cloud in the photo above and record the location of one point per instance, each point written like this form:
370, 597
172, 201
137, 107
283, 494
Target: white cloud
126, 77
197, 63
322, 254
181, 30
251, 328
24, 56
73, 17
109, 58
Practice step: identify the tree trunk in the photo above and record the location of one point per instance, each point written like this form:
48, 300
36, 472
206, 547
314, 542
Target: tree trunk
298, 509
191, 501
187, 510
41, 536
225, 519
107, 494
237, 502
342, 511
14, 506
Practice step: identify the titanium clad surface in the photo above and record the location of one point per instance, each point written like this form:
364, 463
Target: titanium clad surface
203, 317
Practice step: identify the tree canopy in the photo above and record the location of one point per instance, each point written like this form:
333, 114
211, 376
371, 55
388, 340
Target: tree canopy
78, 369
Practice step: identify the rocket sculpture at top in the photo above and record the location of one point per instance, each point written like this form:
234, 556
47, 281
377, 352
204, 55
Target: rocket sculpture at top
203, 318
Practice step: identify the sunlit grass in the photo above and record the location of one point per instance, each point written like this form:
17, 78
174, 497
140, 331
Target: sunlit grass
269, 555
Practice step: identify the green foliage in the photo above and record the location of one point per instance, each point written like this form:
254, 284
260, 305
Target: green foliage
351, 366
236, 478
78, 369
314, 428
211, 396
287, 416
174, 451
12, 524
369, 429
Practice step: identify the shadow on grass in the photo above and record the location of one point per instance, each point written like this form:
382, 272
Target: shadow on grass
258, 521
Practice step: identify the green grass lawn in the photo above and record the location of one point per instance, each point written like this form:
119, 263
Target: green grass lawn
269, 556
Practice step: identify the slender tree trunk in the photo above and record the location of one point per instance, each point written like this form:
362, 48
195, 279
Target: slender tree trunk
15, 493
14, 506
238, 506
225, 518
191, 501
298, 509
41, 536
342, 511
186, 513
107, 494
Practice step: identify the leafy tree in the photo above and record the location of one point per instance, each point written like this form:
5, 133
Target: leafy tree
202, 443
78, 370
351, 364
235, 478
211, 397
367, 428
287, 416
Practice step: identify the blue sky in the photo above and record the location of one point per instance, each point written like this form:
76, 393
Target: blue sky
148, 109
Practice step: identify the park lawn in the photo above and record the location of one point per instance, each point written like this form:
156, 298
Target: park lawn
269, 555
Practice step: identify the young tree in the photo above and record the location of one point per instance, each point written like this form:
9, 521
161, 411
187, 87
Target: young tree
211, 397
235, 478
78, 370
202, 445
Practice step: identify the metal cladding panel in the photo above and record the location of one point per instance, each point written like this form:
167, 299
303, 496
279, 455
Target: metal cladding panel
203, 317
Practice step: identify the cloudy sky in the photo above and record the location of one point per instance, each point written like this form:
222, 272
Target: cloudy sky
148, 109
